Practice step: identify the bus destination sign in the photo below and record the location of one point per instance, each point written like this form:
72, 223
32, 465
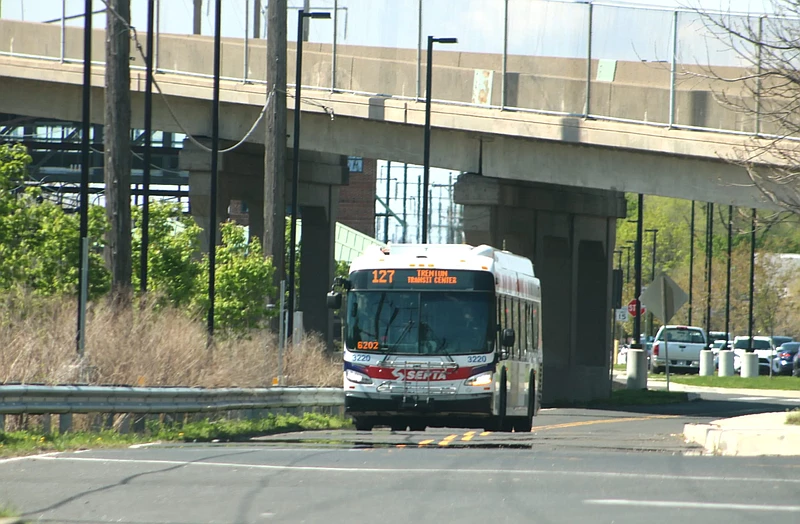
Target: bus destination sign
433, 276
422, 278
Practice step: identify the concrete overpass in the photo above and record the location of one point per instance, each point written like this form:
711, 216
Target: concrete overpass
546, 185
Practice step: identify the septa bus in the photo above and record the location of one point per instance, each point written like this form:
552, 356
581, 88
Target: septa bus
441, 335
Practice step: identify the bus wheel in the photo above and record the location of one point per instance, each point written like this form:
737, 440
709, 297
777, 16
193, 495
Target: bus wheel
363, 423
524, 424
501, 421
417, 425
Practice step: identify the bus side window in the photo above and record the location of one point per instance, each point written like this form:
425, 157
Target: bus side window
527, 321
501, 309
535, 321
523, 342
518, 325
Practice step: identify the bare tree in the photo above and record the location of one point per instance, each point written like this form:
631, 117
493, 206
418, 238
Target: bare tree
768, 93
117, 145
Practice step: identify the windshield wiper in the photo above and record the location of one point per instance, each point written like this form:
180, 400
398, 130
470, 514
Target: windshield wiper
406, 331
442, 349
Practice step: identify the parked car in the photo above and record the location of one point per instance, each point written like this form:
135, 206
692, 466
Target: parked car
716, 336
779, 340
786, 356
683, 343
796, 370
716, 346
763, 347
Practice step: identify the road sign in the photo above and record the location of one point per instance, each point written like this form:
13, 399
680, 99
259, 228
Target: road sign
664, 297
621, 314
632, 308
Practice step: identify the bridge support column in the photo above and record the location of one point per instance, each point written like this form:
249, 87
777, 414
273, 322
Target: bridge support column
320, 177
241, 178
569, 234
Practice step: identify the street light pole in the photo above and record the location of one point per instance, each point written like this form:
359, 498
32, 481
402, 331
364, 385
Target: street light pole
427, 149
691, 263
301, 16
653, 262
637, 275
652, 278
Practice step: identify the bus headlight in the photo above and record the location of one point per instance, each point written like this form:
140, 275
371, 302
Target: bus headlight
483, 379
358, 378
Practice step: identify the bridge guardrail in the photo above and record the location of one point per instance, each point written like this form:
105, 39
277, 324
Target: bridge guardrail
599, 33
69, 400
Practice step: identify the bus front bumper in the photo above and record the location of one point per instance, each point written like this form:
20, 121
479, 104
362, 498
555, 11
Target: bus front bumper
367, 404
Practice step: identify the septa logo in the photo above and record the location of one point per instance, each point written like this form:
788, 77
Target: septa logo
420, 374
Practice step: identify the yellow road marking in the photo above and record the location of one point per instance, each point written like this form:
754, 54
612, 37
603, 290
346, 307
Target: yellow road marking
423, 443
485, 433
600, 421
446, 441
401, 445
468, 436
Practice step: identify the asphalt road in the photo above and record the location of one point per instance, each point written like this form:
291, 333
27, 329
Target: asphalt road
622, 466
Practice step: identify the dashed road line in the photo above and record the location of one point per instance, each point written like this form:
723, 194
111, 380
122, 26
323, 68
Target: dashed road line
679, 504
468, 436
447, 440
599, 421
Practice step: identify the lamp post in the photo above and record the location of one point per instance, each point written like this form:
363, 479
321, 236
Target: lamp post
652, 278
301, 16
427, 151
627, 263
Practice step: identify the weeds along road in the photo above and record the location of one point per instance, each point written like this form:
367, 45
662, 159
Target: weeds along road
578, 465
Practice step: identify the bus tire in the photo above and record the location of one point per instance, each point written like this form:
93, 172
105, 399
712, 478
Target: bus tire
525, 424
363, 423
501, 421
417, 425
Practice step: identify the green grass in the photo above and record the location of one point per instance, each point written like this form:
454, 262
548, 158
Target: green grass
793, 417
632, 397
761, 382
29, 442
8, 512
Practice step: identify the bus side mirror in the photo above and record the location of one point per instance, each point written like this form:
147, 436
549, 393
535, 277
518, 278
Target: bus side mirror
334, 300
507, 338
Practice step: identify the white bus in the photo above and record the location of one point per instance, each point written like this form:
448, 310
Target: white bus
441, 335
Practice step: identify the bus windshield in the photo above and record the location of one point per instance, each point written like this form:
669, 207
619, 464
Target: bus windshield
427, 322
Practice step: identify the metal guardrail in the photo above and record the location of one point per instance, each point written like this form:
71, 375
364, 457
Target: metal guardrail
44, 400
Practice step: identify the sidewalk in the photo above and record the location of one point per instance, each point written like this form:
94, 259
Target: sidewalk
749, 435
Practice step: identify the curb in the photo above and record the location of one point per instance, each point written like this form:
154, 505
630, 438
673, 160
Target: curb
744, 439
11, 520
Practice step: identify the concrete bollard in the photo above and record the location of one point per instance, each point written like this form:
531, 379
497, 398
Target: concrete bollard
706, 363
65, 423
637, 369
749, 365
726, 363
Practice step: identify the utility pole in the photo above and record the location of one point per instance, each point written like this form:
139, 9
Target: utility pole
256, 18
118, 148
197, 19
274, 242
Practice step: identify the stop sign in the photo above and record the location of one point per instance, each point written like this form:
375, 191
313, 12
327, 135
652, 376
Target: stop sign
632, 307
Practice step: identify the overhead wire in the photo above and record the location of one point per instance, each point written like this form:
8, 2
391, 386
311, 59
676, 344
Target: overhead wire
140, 49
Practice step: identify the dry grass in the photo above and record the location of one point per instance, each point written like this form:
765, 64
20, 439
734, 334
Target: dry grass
145, 346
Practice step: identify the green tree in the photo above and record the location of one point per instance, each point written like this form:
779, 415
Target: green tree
243, 285
174, 267
38, 240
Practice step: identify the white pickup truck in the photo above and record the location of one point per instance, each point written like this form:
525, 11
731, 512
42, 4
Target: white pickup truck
683, 343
